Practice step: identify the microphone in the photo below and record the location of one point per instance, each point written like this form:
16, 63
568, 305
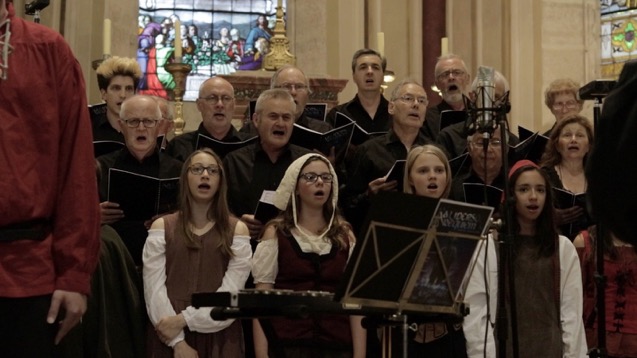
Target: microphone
35, 6
485, 118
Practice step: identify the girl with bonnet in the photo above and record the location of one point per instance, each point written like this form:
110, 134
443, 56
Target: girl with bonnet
305, 248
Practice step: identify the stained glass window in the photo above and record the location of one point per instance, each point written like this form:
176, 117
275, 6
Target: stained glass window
619, 23
217, 37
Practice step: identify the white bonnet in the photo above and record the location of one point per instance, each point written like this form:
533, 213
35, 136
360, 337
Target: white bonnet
287, 187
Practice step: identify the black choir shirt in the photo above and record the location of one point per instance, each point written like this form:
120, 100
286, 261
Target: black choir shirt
250, 172
354, 110
373, 159
183, 145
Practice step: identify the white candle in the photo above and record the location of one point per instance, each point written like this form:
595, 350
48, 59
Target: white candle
177, 25
444, 46
381, 43
107, 37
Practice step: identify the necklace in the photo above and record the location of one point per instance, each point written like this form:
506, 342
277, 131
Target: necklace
572, 182
200, 231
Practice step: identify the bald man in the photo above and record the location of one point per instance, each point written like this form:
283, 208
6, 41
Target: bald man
216, 104
293, 80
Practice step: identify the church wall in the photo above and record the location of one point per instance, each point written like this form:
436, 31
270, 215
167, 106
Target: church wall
531, 42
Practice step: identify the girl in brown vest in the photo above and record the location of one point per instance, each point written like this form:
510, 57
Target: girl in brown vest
200, 248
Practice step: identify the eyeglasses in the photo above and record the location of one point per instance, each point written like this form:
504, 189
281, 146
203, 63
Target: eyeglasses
409, 99
198, 169
313, 177
568, 105
445, 74
214, 99
292, 86
134, 122
492, 143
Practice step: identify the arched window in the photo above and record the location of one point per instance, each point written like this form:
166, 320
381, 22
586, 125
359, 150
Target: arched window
619, 24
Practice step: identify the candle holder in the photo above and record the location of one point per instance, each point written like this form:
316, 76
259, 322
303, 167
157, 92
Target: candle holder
96, 63
279, 54
180, 72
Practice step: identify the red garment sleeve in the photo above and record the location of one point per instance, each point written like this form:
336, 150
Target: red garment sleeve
76, 217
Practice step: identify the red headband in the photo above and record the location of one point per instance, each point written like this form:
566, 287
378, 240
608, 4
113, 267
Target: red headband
520, 164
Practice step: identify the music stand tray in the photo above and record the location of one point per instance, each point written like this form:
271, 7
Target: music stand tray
415, 255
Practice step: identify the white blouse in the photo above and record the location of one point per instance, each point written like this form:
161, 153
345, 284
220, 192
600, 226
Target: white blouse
573, 335
157, 303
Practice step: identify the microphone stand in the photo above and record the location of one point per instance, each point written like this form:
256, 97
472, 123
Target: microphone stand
506, 282
506, 290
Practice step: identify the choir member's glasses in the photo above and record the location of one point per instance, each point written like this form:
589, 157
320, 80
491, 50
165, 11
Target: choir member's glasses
214, 99
292, 86
134, 122
568, 105
492, 142
313, 177
198, 169
409, 99
455, 73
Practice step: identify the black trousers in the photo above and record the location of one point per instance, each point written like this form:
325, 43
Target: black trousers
24, 331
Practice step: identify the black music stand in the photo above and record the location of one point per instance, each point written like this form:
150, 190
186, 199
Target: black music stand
414, 257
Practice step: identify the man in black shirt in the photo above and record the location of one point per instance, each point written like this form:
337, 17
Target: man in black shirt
368, 108
261, 166
452, 80
453, 139
216, 104
478, 171
293, 80
139, 118
374, 158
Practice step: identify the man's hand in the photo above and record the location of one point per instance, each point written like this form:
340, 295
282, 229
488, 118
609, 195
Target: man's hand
73, 305
110, 212
255, 226
379, 184
183, 350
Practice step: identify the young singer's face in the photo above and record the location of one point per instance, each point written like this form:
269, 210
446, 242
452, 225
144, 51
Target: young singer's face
204, 186
317, 193
530, 195
428, 176
119, 89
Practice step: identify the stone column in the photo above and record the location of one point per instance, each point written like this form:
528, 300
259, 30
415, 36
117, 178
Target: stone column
433, 29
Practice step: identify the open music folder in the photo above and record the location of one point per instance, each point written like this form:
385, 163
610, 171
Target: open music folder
141, 197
